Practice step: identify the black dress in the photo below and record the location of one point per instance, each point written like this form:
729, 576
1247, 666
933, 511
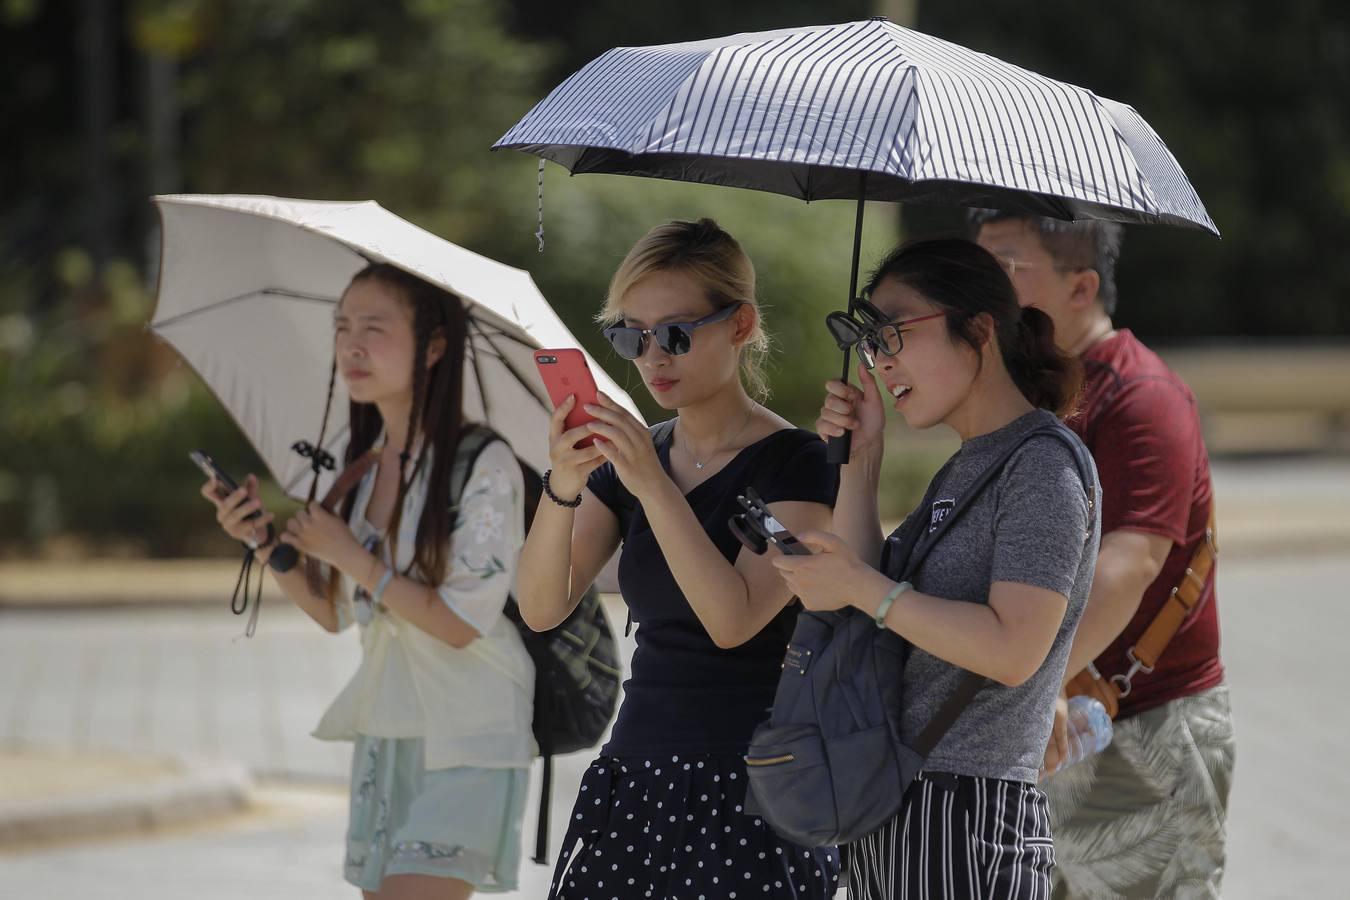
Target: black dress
661, 811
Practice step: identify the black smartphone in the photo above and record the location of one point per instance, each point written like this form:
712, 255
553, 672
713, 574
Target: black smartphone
211, 469
284, 556
756, 528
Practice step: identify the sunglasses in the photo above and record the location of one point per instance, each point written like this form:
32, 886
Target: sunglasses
674, 338
869, 332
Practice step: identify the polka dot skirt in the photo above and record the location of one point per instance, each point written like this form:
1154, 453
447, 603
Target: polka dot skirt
675, 827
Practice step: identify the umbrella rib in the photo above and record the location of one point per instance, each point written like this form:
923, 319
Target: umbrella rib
266, 292
506, 362
478, 375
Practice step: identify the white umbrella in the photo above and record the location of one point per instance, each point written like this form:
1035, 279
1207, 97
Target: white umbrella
247, 288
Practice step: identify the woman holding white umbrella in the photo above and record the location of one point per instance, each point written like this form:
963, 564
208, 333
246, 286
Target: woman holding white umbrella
440, 708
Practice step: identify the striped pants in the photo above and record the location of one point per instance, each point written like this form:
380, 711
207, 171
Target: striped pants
958, 837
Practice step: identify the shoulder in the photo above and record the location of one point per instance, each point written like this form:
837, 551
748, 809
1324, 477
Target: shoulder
792, 447
1134, 373
496, 454
1046, 461
496, 473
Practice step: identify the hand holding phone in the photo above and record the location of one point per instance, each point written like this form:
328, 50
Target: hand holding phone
756, 528
225, 485
283, 556
566, 374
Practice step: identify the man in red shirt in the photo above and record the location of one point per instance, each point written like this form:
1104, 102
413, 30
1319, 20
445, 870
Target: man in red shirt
1146, 817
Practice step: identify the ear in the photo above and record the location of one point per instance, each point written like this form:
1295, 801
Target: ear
1083, 291
436, 348
984, 327
746, 319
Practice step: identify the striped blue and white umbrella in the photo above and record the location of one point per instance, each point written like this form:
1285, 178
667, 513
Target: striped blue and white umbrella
860, 110
865, 111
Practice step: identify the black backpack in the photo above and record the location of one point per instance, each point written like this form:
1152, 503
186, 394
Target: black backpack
577, 671
829, 766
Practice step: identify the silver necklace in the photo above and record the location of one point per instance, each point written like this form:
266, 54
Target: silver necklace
684, 444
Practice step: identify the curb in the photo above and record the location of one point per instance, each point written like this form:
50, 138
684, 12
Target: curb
197, 791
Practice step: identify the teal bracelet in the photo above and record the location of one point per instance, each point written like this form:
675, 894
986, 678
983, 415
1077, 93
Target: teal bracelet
886, 604
377, 595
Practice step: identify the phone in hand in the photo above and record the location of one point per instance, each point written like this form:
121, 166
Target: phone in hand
756, 528
225, 485
566, 374
284, 556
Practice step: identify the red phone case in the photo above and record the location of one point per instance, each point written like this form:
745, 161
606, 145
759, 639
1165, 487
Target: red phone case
567, 374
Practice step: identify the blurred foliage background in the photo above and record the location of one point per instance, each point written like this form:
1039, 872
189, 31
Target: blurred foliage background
109, 101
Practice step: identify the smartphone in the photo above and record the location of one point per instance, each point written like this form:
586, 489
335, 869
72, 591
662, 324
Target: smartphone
284, 556
566, 374
211, 469
757, 529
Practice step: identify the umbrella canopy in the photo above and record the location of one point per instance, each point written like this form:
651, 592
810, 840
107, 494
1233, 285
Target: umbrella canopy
247, 291
863, 110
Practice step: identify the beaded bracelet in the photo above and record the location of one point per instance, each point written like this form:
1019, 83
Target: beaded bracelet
548, 492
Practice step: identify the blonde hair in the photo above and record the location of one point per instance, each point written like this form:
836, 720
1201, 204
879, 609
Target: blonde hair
714, 258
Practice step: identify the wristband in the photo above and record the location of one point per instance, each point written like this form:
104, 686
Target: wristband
886, 604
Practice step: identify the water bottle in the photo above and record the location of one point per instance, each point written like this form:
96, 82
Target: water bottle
1089, 730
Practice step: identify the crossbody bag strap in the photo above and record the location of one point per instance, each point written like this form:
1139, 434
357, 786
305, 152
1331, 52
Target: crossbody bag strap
1178, 607
971, 684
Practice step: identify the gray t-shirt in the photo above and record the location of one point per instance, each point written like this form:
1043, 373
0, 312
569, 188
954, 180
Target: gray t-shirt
1031, 525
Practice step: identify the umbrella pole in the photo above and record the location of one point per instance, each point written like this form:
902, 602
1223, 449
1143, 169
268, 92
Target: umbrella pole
838, 449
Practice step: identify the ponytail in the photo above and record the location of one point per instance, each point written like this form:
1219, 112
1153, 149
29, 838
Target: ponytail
1048, 377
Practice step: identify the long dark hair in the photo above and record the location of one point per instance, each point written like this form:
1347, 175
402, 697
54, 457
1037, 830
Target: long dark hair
966, 281
437, 412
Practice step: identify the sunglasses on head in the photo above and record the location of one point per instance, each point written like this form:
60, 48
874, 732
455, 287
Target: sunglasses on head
869, 332
674, 338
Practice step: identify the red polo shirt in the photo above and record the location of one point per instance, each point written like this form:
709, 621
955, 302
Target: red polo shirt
1141, 423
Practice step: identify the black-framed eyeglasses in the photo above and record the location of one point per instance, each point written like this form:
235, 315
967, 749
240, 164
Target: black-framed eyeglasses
674, 338
756, 528
869, 332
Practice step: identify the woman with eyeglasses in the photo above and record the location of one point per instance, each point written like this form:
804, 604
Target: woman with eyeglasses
661, 813
1000, 590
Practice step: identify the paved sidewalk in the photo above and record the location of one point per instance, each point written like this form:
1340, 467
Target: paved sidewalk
50, 796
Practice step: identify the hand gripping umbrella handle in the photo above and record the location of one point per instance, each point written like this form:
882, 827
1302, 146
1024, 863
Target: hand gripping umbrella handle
840, 447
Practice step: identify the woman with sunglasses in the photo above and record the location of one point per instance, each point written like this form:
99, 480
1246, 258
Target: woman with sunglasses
1000, 592
661, 813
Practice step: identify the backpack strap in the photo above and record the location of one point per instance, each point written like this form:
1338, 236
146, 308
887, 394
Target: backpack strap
972, 683
662, 431
473, 440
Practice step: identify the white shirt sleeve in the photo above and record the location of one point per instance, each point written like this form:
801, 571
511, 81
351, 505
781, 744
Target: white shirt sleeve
485, 543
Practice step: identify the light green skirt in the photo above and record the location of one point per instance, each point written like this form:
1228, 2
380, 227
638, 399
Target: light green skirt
454, 823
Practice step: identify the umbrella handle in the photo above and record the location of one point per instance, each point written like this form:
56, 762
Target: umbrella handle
840, 447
